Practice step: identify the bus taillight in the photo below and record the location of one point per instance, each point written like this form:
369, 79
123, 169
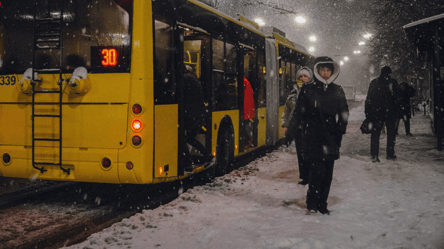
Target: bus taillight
136, 125
6, 158
137, 140
106, 163
129, 165
137, 109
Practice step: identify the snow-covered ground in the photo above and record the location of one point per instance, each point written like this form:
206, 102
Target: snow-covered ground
392, 204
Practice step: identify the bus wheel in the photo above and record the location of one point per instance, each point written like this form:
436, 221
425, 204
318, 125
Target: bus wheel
224, 152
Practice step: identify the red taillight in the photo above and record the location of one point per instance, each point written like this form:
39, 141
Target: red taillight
137, 109
6, 158
129, 165
137, 140
106, 163
136, 125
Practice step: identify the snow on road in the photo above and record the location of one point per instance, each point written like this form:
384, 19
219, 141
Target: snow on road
392, 204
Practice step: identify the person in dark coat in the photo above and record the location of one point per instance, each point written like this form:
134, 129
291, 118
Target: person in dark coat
322, 109
406, 92
194, 115
382, 106
303, 76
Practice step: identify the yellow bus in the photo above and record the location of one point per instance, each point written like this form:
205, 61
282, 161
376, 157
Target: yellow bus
92, 91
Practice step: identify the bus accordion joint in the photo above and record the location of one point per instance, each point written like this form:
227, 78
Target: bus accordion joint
79, 83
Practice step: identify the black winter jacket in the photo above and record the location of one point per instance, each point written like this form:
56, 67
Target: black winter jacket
406, 92
324, 117
382, 100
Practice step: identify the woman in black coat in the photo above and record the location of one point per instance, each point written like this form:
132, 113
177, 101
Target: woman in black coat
322, 112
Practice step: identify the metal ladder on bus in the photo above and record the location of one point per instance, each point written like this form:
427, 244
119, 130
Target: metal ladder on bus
47, 36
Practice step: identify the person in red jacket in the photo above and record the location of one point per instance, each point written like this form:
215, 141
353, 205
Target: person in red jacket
249, 107
249, 111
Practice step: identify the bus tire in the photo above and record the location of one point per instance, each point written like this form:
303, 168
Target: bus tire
224, 152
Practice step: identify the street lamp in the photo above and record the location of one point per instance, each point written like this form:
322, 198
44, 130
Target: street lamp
259, 21
367, 36
361, 43
311, 49
345, 58
300, 19
313, 38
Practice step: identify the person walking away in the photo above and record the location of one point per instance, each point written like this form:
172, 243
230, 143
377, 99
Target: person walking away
406, 92
304, 76
194, 116
382, 106
322, 109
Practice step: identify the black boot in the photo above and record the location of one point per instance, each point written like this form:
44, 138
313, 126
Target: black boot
303, 182
391, 157
375, 159
323, 209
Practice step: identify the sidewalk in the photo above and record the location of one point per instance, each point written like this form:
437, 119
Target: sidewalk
392, 204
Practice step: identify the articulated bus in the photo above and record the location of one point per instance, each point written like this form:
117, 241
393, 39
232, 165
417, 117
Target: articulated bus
91, 91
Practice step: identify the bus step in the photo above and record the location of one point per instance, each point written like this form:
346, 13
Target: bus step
44, 163
48, 70
46, 47
47, 115
48, 139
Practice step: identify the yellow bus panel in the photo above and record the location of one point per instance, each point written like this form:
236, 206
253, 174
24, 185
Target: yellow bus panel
261, 127
165, 140
86, 126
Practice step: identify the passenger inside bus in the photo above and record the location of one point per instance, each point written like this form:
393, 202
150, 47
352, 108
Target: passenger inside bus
194, 116
249, 112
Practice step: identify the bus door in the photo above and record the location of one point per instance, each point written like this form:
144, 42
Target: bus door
196, 58
248, 120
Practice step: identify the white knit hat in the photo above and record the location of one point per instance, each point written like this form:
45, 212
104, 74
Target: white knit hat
304, 72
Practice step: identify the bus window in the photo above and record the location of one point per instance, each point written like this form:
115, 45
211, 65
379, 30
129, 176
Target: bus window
293, 73
282, 83
231, 75
261, 98
288, 83
84, 33
218, 55
164, 83
225, 75
191, 56
231, 58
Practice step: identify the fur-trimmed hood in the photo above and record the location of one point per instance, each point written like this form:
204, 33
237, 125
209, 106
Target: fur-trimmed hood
326, 60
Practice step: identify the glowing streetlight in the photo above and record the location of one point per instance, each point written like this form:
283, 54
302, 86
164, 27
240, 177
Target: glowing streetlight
311, 49
259, 21
368, 35
312, 38
357, 51
300, 19
361, 43
345, 58
341, 63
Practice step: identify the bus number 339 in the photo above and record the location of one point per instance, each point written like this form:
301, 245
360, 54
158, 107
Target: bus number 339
8, 80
